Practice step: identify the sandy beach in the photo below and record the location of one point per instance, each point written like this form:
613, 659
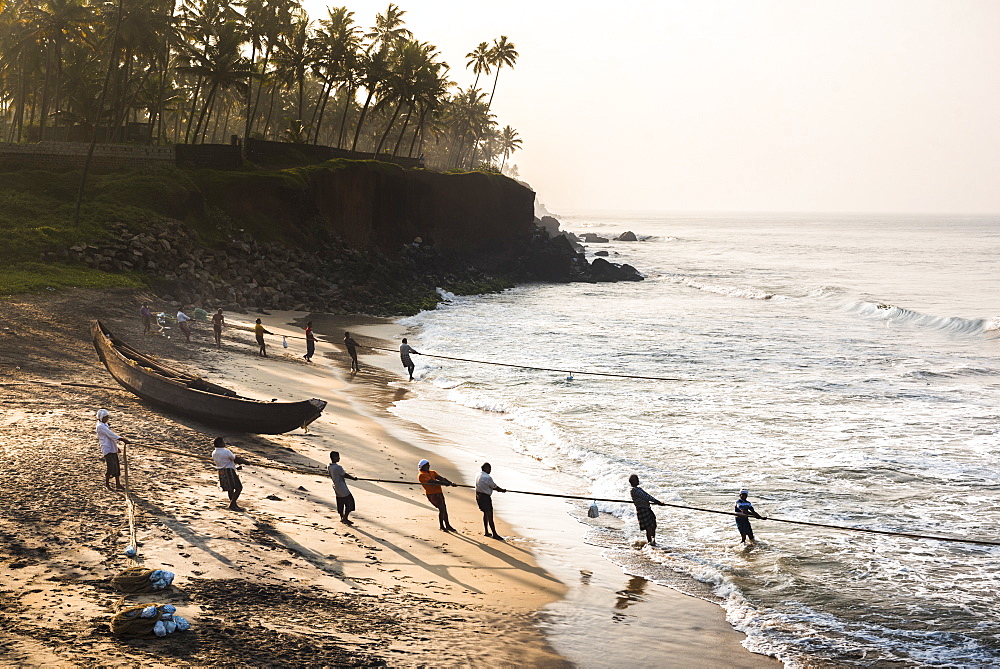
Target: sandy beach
284, 582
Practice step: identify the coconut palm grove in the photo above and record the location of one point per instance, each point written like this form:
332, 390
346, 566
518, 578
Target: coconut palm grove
206, 71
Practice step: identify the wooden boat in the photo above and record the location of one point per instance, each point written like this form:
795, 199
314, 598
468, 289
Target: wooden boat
193, 397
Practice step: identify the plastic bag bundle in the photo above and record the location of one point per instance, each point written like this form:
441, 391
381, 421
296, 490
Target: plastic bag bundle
593, 511
160, 579
147, 620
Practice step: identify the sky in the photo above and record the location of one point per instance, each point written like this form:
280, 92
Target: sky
739, 105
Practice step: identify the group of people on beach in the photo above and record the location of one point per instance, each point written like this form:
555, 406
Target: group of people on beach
228, 463
219, 322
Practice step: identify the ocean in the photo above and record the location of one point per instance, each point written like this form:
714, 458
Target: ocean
842, 368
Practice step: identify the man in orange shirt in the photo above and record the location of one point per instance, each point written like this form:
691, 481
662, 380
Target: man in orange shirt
432, 482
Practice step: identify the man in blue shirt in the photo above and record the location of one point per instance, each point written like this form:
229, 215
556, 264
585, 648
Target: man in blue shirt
743, 522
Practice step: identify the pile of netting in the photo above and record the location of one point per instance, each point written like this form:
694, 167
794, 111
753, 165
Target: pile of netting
138, 579
146, 620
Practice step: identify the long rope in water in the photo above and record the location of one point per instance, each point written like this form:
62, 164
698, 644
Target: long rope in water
842, 528
507, 364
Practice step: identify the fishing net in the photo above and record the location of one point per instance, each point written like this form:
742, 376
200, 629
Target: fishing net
139, 579
143, 621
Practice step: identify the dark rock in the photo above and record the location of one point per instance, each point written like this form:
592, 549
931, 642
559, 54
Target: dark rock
591, 238
600, 253
627, 237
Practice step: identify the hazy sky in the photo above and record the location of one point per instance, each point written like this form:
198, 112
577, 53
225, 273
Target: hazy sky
741, 105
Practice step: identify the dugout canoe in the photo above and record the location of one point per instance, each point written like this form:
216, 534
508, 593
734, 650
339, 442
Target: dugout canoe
193, 397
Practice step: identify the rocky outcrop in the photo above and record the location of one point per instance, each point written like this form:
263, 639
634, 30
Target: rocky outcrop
627, 237
591, 238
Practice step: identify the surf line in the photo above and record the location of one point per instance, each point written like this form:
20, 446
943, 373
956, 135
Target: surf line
507, 364
842, 528
545, 369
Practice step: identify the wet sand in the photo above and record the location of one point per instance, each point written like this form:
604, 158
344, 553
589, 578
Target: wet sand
283, 583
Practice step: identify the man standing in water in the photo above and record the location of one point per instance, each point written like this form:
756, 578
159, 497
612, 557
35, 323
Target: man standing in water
404, 355
109, 441
645, 515
345, 500
218, 322
484, 499
226, 461
310, 342
352, 350
743, 522
432, 482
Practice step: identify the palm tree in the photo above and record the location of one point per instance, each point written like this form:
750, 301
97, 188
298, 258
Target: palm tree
220, 66
294, 58
502, 53
333, 49
509, 143
388, 29
54, 22
480, 60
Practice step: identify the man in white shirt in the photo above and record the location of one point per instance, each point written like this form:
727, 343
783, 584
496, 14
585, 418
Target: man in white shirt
109, 441
405, 350
182, 323
345, 500
226, 462
484, 498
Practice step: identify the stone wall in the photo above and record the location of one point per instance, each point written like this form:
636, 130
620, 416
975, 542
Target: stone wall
72, 155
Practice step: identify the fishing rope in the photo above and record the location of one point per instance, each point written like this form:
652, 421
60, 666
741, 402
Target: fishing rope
507, 364
842, 528
129, 511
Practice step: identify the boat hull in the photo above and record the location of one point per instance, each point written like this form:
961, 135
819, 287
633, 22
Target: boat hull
173, 391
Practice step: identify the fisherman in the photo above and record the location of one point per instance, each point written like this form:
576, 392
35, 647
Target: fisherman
227, 463
147, 319
259, 332
110, 449
645, 515
218, 322
182, 323
404, 355
310, 342
352, 350
432, 482
345, 500
484, 499
743, 522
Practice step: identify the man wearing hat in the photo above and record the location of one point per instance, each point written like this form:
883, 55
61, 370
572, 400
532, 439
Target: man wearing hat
109, 441
743, 522
432, 482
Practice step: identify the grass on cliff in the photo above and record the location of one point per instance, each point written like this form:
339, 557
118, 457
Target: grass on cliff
36, 215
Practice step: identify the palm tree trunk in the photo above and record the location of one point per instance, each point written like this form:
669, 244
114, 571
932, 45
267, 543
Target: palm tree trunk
406, 123
392, 121
194, 103
249, 113
97, 122
418, 131
343, 119
317, 121
361, 119
204, 110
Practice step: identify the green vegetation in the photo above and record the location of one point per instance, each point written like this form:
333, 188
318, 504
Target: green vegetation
200, 71
31, 277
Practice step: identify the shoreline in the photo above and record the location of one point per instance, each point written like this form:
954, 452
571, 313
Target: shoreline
700, 636
282, 583
260, 585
